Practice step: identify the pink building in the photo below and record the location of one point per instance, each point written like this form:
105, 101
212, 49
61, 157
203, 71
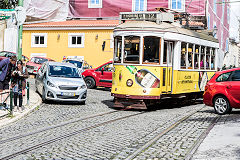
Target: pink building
111, 8
218, 13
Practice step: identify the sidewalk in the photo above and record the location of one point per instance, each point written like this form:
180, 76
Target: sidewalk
34, 101
223, 141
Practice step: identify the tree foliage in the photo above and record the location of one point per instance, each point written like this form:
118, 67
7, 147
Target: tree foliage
8, 4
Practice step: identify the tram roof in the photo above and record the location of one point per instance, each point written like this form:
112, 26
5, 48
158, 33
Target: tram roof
162, 27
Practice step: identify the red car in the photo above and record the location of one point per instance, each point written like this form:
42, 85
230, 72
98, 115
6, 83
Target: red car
9, 54
100, 76
223, 91
35, 63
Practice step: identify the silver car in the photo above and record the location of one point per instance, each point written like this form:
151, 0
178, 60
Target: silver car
61, 82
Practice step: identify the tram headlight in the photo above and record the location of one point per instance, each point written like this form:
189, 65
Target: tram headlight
129, 82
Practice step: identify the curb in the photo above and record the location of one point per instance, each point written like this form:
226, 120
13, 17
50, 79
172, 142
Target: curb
8, 120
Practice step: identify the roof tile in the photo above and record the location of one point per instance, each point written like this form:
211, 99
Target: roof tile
75, 23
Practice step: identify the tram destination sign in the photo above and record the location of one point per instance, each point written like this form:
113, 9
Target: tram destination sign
149, 16
140, 16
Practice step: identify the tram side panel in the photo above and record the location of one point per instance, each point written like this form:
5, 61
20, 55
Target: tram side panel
136, 82
190, 81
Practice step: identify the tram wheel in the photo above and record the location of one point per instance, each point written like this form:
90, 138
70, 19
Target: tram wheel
221, 105
90, 82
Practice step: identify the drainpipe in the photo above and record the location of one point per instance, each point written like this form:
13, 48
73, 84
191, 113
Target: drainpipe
20, 29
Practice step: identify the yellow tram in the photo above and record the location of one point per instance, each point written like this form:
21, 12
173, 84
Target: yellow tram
155, 58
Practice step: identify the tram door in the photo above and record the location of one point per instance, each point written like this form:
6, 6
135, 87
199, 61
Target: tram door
167, 69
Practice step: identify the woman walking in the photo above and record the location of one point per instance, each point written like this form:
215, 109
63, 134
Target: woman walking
19, 77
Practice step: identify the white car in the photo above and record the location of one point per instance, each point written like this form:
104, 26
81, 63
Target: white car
61, 82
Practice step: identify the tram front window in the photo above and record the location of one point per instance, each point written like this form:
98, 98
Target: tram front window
131, 49
151, 50
118, 49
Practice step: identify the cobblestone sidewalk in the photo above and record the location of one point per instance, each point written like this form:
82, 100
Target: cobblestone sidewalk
34, 102
223, 140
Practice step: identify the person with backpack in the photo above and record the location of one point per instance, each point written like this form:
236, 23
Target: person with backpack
7, 65
19, 77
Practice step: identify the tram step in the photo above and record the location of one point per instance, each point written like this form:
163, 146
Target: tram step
129, 104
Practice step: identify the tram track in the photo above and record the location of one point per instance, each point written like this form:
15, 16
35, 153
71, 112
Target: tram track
55, 126
190, 152
26, 150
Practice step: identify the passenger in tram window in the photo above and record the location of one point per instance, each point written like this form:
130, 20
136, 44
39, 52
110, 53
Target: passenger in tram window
207, 63
201, 63
183, 64
212, 63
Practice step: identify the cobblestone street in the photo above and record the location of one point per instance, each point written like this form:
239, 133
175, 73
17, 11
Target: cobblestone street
73, 131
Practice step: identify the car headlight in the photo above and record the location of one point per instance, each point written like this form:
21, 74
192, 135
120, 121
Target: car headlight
129, 82
83, 86
35, 68
50, 84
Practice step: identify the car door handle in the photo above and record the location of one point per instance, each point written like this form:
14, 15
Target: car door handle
229, 86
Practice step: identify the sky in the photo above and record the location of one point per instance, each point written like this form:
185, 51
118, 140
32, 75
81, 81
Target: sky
234, 16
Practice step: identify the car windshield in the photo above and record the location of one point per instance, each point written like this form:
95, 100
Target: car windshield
63, 71
38, 60
76, 63
3, 54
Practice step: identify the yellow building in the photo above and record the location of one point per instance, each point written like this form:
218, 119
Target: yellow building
92, 39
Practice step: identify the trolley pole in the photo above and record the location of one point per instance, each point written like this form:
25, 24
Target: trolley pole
20, 29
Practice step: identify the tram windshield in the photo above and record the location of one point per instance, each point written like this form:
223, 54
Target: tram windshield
118, 49
131, 49
151, 50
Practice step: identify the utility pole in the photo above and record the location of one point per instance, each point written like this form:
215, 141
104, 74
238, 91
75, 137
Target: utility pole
20, 29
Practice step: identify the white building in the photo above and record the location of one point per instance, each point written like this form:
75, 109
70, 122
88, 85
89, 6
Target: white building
2, 28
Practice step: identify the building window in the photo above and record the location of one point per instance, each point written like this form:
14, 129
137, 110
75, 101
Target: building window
178, 5
94, 3
223, 9
76, 40
208, 22
215, 6
139, 5
39, 40
228, 15
227, 44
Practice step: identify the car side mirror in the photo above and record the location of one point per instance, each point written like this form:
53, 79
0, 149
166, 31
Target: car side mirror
102, 70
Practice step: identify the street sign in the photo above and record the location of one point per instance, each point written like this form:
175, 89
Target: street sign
21, 15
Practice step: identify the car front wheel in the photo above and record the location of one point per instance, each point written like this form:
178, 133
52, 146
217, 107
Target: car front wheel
221, 105
43, 95
90, 82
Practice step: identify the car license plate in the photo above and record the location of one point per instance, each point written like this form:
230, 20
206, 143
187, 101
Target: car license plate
68, 94
30, 70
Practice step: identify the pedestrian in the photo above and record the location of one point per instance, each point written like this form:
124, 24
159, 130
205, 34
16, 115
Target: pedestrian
7, 65
19, 77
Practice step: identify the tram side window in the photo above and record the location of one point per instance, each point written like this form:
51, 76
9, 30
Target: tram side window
190, 56
213, 59
131, 48
196, 57
183, 55
118, 49
208, 58
202, 53
165, 53
151, 49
